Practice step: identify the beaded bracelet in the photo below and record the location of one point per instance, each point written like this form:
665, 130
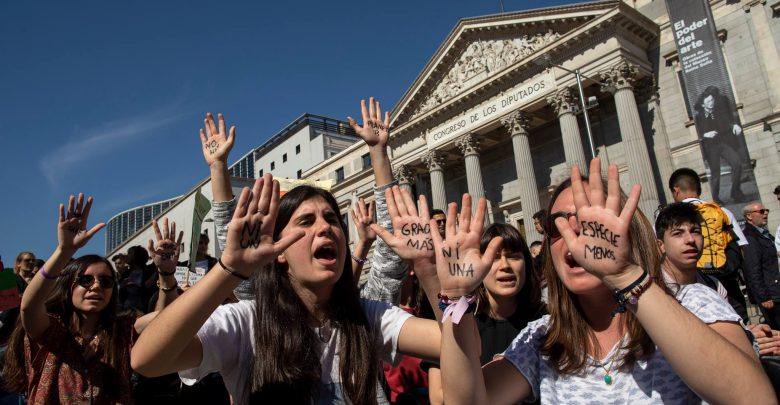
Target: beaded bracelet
456, 308
166, 289
47, 275
358, 260
631, 294
230, 271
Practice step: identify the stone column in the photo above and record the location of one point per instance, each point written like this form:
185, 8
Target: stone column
469, 146
619, 80
517, 123
564, 102
435, 162
405, 176
766, 48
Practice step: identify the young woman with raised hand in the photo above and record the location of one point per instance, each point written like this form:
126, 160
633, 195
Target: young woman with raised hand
71, 345
307, 338
614, 333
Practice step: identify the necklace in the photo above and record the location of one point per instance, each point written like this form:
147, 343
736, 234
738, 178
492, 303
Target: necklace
607, 370
324, 330
86, 342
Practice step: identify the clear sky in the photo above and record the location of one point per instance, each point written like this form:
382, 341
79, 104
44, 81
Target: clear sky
107, 97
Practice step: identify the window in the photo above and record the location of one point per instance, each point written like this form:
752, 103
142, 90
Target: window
273, 165
366, 161
297, 149
300, 172
284, 158
340, 174
260, 174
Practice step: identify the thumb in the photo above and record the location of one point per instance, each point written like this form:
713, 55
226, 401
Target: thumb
382, 233
95, 229
282, 244
491, 250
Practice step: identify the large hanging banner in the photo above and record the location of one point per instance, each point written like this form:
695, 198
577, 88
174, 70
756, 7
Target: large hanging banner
710, 101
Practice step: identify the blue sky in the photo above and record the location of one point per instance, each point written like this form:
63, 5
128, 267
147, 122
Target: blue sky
107, 97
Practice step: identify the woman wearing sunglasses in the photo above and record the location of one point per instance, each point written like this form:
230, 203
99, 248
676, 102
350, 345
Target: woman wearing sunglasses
615, 335
71, 345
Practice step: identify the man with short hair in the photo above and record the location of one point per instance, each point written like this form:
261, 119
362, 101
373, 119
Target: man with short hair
120, 263
539, 218
685, 186
760, 267
441, 219
535, 248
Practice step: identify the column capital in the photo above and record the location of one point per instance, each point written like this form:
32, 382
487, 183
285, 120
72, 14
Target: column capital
563, 102
404, 174
619, 77
468, 144
434, 160
517, 123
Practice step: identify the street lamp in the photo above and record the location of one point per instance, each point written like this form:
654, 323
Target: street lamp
545, 61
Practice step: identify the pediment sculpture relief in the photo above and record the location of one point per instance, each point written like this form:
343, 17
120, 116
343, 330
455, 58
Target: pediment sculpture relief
481, 60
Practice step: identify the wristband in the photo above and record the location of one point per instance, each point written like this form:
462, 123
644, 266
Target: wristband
166, 273
631, 294
358, 260
456, 308
166, 289
47, 275
230, 271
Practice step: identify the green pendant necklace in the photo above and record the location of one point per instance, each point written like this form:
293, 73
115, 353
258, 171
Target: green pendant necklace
607, 375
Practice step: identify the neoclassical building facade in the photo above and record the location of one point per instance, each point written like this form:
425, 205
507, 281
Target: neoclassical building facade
497, 110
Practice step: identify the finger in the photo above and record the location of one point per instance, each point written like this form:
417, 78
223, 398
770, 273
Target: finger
283, 243
596, 188
361, 204
371, 111
631, 203
437, 240
157, 232
353, 124
71, 204
491, 250
450, 224
479, 217
62, 212
273, 206
221, 120
411, 207
464, 222
265, 195
212, 125
387, 120
150, 247
383, 233
203, 138
254, 199
378, 112
79, 204
371, 211
95, 229
173, 230
613, 189
567, 233
399, 202
178, 241
364, 111
355, 219
243, 203
578, 189
425, 212
391, 208
209, 134
231, 136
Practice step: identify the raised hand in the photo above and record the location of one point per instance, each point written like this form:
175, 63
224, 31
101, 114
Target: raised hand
250, 240
166, 254
411, 237
216, 144
363, 219
375, 131
459, 263
601, 246
72, 232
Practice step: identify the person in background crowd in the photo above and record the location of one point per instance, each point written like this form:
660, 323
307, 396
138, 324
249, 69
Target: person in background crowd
760, 266
777, 233
137, 287
539, 220
120, 264
685, 186
202, 258
535, 249
23, 267
440, 218
71, 345
609, 311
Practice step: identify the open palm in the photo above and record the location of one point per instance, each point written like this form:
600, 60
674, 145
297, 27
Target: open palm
411, 237
215, 140
72, 232
166, 254
375, 130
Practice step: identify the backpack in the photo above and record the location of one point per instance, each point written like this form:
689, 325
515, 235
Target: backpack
721, 255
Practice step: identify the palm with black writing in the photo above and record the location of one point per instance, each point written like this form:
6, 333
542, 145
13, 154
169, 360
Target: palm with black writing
216, 142
459, 263
166, 254
363, 218
250, 239
411, 237
601, 246
72, 233
375, 131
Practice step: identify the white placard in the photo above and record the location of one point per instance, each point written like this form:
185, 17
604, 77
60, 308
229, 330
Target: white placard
194, 277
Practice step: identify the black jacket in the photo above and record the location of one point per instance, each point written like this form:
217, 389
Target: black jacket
760, 266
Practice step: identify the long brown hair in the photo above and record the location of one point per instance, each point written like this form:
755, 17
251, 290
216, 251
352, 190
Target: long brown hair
286, 367
569, 334
114, 342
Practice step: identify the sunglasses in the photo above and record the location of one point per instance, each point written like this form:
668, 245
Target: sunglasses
87, 280
549, 227
762, 212
28, 260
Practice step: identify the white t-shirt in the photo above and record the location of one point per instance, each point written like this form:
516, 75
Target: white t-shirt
651, 381
741, 239
228, 348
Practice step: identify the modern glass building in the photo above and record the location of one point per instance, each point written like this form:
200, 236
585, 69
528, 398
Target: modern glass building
126, 223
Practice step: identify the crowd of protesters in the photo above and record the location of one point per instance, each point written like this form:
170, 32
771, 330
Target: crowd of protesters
612, 306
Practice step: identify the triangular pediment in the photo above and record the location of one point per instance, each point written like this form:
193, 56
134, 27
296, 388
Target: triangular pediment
482, 48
